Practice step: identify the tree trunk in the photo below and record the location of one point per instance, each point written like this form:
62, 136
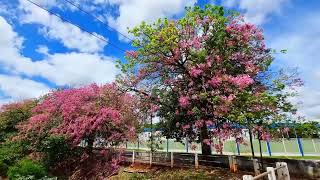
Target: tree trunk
260, 148
206, 149
220, 143
90, 145
251, 144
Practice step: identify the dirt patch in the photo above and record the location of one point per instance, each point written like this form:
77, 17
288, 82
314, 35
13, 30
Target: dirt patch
143, 171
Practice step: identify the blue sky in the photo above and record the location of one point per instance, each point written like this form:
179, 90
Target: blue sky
39, 52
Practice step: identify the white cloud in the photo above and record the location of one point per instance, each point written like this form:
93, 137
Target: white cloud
77, 69
300, 37
73, 69
52, 27
133, 12
308, 102
303, 44
18, 88
257, 11
43, 50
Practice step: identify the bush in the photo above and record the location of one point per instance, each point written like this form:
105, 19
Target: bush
10, 153
56, 150
26, 168
58, 156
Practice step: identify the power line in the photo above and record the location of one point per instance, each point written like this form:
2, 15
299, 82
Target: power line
95, 17
78, 26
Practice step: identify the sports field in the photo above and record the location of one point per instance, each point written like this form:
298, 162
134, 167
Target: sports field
285, 147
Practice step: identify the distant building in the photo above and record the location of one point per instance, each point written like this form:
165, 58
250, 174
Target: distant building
146, 133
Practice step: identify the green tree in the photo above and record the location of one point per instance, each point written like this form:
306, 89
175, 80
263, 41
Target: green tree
12, 114
207, 70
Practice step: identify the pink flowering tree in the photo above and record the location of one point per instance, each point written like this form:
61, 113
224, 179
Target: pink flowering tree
97, 115
209, 74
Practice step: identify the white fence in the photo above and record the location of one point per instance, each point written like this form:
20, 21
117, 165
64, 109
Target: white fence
281, 169
280, 172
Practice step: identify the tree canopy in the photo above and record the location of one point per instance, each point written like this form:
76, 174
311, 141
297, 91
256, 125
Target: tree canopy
92, 114
208, 72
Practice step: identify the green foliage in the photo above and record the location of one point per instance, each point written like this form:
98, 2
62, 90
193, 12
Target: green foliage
11, 115
26, 168
208, 68
155, 142
10, 153
305, 130
56, 150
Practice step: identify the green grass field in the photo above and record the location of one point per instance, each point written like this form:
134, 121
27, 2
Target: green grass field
277, 148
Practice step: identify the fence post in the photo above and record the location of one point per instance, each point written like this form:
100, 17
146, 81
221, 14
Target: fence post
279, 170
286, 171
283, 173
256, 166
238, 148
300, 146
196, 161
284, 146
314, 145
235, 165
187, 146
271, 175
150, 158
232, 163
247, 177
269, 148
172, 159
133, 157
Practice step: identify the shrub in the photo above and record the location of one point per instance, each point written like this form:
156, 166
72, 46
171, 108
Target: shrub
11, 115
59, 158
10, 153
26, 168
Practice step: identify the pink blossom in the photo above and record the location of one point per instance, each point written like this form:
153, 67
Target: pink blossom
231, 97
226, 125
196, 43
193, 147
81, 112
207, 142
154, 108
265, 136
177, 124
286, 130
184, 101
215, 81
190, 113
185, 127
199, 123
195, 72
209, 123
242, 81
218, 59
218, 147
132, 54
